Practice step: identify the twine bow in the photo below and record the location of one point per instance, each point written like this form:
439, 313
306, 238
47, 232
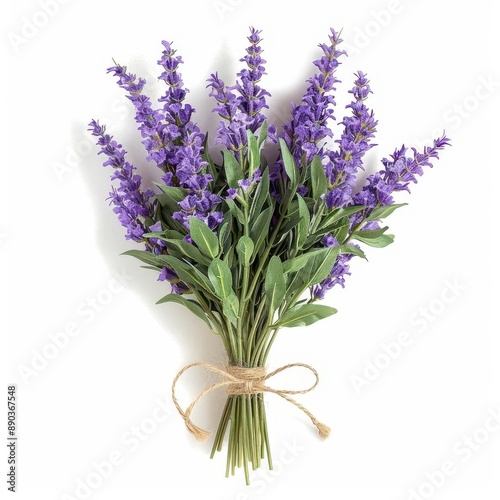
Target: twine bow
240, 380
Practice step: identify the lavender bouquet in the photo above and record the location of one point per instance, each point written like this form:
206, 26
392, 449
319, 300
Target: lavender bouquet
247, 244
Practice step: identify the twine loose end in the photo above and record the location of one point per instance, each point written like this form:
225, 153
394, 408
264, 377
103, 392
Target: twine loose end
200, 434
324, 430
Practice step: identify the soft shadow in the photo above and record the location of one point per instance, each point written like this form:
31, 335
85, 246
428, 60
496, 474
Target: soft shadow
195, 341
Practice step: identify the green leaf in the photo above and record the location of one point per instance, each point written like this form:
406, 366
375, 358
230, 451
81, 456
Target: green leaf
291, 220
304, 315
381, 212
351, 249
146, 257
221, 278
233, 169
204, 237
170, 197
380, 242
225, 233
337, 214
274, 284
235, 211
151, 268
245, 249
342, 232
261, 194
305, 219
193, 306
297, 263
171, 234
260, 229
187, 272
262, 135
289, 163
190, 251
230, 308
371, 234
322, 266
318, 178
253, 153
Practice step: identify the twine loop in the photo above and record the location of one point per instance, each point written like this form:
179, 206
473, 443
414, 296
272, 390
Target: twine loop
241, 381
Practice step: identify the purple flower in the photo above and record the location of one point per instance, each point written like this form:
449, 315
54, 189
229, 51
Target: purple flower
131, 204
241, 106
151, 121
250, 183
343, 164
252, 99
397, 174
185, 145
167, 274
305, 133
330, 241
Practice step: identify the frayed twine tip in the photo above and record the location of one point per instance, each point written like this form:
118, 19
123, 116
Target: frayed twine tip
324, 430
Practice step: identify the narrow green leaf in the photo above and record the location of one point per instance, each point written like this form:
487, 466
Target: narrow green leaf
233, 169
221, 278
204, 237
190, 251
193, 306
372, 233
297, 263
225, 233
253, 153
354, 250
274, 284
304, 315
260, 229
171, 234
261, 194
381, 212
337, 214
143, 256
379, 242
318, 178
289, 163
245, 248
322, 266
187, 272
230, 308
170, 197
262, 135
151, 268
235, 210
342, 232
305, 219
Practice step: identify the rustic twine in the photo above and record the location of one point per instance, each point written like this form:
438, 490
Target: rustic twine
241, 380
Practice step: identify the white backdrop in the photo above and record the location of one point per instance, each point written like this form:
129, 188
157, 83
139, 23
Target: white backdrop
409, 366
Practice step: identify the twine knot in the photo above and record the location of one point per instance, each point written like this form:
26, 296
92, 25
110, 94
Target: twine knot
248, 380
240, 381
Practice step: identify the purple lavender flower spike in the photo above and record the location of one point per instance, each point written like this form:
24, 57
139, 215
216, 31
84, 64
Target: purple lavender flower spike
252, 99
308, 128
151, 121
241, 105
343, 164
397, 174
131, 204
185, 146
